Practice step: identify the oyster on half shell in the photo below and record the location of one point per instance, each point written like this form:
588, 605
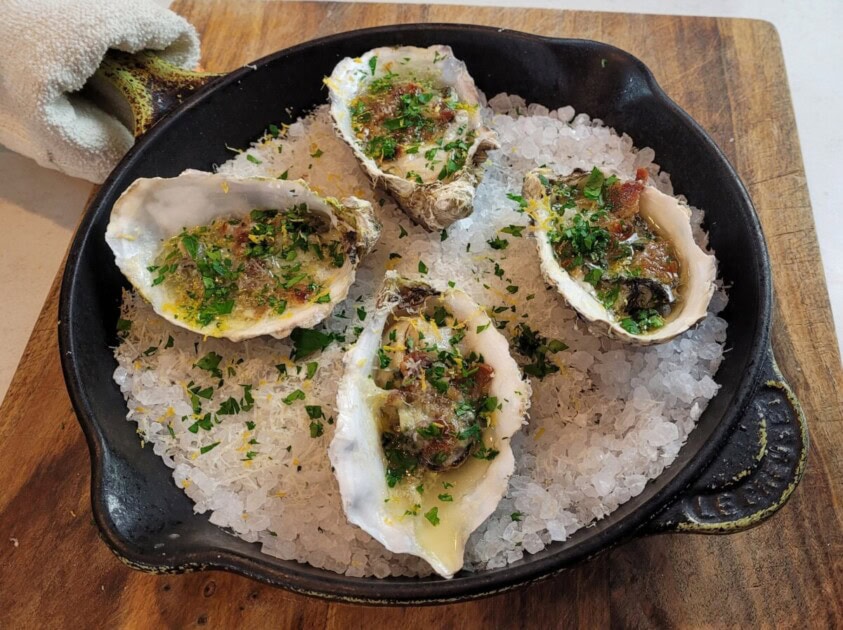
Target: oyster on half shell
412, 117
621, 253
426, 408
238, 258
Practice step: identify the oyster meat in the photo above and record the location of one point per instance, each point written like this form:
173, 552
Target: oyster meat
426, 408
412, 117
238, 258
620, 252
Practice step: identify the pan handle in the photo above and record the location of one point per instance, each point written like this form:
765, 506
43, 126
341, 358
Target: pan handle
755, 473
138, 89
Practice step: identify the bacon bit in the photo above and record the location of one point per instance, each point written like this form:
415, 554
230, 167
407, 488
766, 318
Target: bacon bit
482, 377
624, 198
642, 175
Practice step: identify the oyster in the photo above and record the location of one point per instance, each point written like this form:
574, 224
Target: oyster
621, 253
238, 258
426, 408
412, 117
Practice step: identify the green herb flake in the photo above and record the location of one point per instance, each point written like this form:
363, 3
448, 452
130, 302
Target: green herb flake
306, 341
361, 313
311, 369
443, 235
432, 515
208, 448
422, 267
317, 153
316, 429
169, 343
445, 497
401, 231
124, 325
253, 159
498, 243
293, 397
480, 329
284, 175
314, 412
514, 230
210, 363
516, 516
594, 184
373, 63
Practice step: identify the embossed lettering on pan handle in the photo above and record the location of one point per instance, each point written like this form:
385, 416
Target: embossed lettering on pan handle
754, 474
138, 89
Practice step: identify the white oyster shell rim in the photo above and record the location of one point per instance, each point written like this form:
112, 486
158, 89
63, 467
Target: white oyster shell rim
357, 457
670, 219
151, 210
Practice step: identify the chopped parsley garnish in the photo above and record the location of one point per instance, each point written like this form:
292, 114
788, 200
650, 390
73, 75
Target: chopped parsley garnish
514, 230
314, 412
293, 396
316, 429
401, 231
522, 203
516, 516
498, 243
483, 452
229, 407
432, 515
311, 369
210, 447
422, 267
536, 347
253, 159
210, 363
445, 497
306, 341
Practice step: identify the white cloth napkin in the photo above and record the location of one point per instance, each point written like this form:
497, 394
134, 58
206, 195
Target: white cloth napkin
48, 49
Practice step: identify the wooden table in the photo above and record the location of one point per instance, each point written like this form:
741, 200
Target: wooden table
729, 75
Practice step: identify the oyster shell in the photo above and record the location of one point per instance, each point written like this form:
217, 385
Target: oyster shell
412, 117
648, 282
421, 449
239, 258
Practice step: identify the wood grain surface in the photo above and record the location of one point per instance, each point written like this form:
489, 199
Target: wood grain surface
729, 75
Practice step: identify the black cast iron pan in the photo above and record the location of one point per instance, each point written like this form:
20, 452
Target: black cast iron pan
739, 465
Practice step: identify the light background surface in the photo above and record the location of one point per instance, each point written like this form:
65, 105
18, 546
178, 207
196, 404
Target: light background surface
40, 208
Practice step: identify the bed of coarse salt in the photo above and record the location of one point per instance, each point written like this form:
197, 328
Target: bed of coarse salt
612, 418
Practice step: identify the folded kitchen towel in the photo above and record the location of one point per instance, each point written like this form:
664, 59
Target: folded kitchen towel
49, 48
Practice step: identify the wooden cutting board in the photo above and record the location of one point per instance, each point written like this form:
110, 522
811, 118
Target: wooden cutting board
729, 75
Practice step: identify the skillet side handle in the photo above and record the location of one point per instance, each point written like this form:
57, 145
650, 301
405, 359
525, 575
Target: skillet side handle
138, 89
754, 474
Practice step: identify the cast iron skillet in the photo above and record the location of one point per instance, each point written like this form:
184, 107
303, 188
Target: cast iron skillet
739, 465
